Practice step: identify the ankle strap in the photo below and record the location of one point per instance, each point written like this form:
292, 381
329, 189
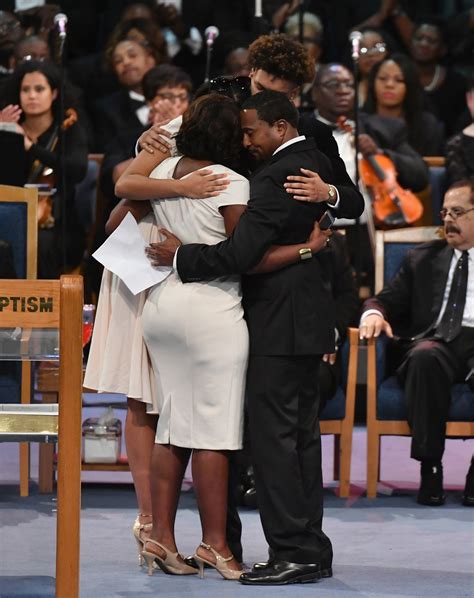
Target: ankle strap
215, 553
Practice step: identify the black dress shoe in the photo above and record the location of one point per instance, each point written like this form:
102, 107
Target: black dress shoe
431, 487
279, 573
326, 568
468, 494
249, 498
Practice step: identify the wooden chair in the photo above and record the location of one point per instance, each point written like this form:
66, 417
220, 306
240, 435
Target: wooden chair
58, 306
18, 225
386, 409
337, 416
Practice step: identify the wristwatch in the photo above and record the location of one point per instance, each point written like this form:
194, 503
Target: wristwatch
332, 193
306, 253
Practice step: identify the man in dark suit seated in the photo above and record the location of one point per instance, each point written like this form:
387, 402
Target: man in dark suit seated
291, 320
430, 303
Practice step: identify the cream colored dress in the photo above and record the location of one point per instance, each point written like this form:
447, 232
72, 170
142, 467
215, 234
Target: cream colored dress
196, 334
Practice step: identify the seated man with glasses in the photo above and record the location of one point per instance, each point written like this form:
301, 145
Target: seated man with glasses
430, 304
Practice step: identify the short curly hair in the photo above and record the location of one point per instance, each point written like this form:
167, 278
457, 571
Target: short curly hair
211, 131
283, 57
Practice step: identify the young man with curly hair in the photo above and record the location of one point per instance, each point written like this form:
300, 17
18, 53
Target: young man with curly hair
279, 63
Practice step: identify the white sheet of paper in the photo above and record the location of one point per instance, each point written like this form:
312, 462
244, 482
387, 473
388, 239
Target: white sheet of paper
123, 253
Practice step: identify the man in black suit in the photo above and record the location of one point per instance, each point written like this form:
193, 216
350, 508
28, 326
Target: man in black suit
430, 303
126, 108
290, 316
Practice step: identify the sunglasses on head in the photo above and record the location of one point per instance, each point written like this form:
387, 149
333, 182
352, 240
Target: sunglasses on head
237, 87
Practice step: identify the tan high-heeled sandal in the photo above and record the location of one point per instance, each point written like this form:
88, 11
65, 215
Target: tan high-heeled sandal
141, 531
173, 563
219, 565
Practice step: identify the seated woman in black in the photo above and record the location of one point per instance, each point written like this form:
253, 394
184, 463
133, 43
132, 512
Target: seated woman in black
35, 88
395, 92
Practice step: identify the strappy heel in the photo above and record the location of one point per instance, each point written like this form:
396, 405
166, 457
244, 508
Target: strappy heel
139, 530
220, 564
170, 564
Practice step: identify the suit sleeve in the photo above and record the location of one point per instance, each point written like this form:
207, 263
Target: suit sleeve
256, 231
352, 202
394, 299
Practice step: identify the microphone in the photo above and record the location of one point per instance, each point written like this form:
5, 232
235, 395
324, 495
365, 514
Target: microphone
60, 20
355, 38
211, 33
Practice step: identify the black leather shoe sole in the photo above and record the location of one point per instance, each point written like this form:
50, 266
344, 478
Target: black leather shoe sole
430, 501
305, 578
325, 571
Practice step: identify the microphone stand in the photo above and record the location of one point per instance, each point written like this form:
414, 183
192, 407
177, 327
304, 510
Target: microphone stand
301, 22
62, 191
358, 235
209, 48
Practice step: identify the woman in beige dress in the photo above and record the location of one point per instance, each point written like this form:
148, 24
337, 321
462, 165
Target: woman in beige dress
118, 358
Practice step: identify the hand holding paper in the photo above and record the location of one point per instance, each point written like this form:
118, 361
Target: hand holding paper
123, 253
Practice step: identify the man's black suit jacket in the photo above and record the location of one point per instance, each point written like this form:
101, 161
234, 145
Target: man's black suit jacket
325, 142
114, 114
412, 300
289, 311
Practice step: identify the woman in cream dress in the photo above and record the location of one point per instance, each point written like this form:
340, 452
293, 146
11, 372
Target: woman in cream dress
118, 359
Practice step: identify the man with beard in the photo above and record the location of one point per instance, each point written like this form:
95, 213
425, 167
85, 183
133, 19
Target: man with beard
430, 303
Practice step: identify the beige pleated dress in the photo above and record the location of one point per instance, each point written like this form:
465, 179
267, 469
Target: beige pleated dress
118, 359
196, 334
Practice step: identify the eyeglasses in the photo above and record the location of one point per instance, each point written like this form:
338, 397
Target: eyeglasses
173, 97
333, 85
379, 48
237, 87
455, 212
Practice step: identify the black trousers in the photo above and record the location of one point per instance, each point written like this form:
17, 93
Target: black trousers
282, 394
428, 371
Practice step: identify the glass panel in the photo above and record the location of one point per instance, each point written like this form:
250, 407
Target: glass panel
26, 344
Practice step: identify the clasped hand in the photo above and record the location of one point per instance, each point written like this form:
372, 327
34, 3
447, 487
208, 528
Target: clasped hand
162, 254
310, 187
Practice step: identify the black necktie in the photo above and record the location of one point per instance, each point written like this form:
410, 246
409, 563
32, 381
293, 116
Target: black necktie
450, 324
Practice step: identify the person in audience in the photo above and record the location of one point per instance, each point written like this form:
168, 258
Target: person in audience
334, 96
394, 91
167, 90
34, 87
31, 47
11, 32
130, 60
460, 148
428, 307
444, 88
373, 49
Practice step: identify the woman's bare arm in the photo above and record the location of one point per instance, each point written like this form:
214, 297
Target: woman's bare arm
279, 256
138, 209
135, 183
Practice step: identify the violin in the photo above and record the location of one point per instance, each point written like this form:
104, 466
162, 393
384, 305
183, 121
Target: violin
392, 205
44, 177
